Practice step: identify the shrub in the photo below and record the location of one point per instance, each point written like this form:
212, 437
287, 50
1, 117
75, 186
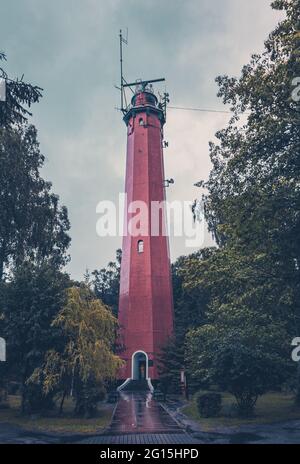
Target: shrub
246, 371
158, 395
35, 401
13, 388
209, 404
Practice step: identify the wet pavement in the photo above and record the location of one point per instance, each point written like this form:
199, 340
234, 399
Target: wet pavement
139, 419
138, 412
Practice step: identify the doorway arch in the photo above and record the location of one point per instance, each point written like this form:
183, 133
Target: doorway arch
139, 366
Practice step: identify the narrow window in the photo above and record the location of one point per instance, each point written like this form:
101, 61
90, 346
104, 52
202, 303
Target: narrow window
141, 122
140, 246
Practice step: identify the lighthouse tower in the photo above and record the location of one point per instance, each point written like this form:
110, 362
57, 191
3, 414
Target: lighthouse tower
145, 304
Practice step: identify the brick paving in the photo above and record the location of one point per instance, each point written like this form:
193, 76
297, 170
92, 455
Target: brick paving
143, 439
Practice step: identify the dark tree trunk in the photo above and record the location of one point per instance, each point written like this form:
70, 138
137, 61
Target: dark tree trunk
23, 390
62, 402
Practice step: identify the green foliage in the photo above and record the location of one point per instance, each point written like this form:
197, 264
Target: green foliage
87, 395
252, 207
19, 97
170, 360
106, 283
33, 226
247, 371
254, 193
34, 400
86, 360
190, 302
244, 347
209, 404
29, 303
33, 245
244, 362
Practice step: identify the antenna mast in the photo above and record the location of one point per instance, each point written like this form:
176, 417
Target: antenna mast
143, 83
125, 41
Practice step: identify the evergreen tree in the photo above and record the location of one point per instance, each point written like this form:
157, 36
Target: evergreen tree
19, 97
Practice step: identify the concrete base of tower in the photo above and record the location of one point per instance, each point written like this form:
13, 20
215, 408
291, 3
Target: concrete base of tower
136, 385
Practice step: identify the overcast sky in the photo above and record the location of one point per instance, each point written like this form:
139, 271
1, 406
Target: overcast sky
70, 48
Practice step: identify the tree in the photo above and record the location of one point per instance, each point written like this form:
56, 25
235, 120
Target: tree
248, 309
252, 207
19, 97
106, 283
190, 305
253, 190
170, 361
29, 302
86, 360
32, 223
190, 302
239, 353
260, 156
244, 368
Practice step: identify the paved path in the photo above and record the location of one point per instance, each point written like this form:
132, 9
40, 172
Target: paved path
143, 439
139, 419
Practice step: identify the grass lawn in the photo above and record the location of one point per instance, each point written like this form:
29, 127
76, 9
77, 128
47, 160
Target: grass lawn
66, 423
270, 408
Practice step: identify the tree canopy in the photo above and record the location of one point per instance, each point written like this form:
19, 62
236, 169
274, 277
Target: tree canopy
19, 98
252, 208
86, 359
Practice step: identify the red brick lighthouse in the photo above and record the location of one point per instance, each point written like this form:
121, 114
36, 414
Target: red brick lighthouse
146, 302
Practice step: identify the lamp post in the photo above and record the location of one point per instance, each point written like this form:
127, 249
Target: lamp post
183, 384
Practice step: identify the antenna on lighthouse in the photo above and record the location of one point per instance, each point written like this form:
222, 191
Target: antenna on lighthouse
122, 40
142, 84
122, 80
